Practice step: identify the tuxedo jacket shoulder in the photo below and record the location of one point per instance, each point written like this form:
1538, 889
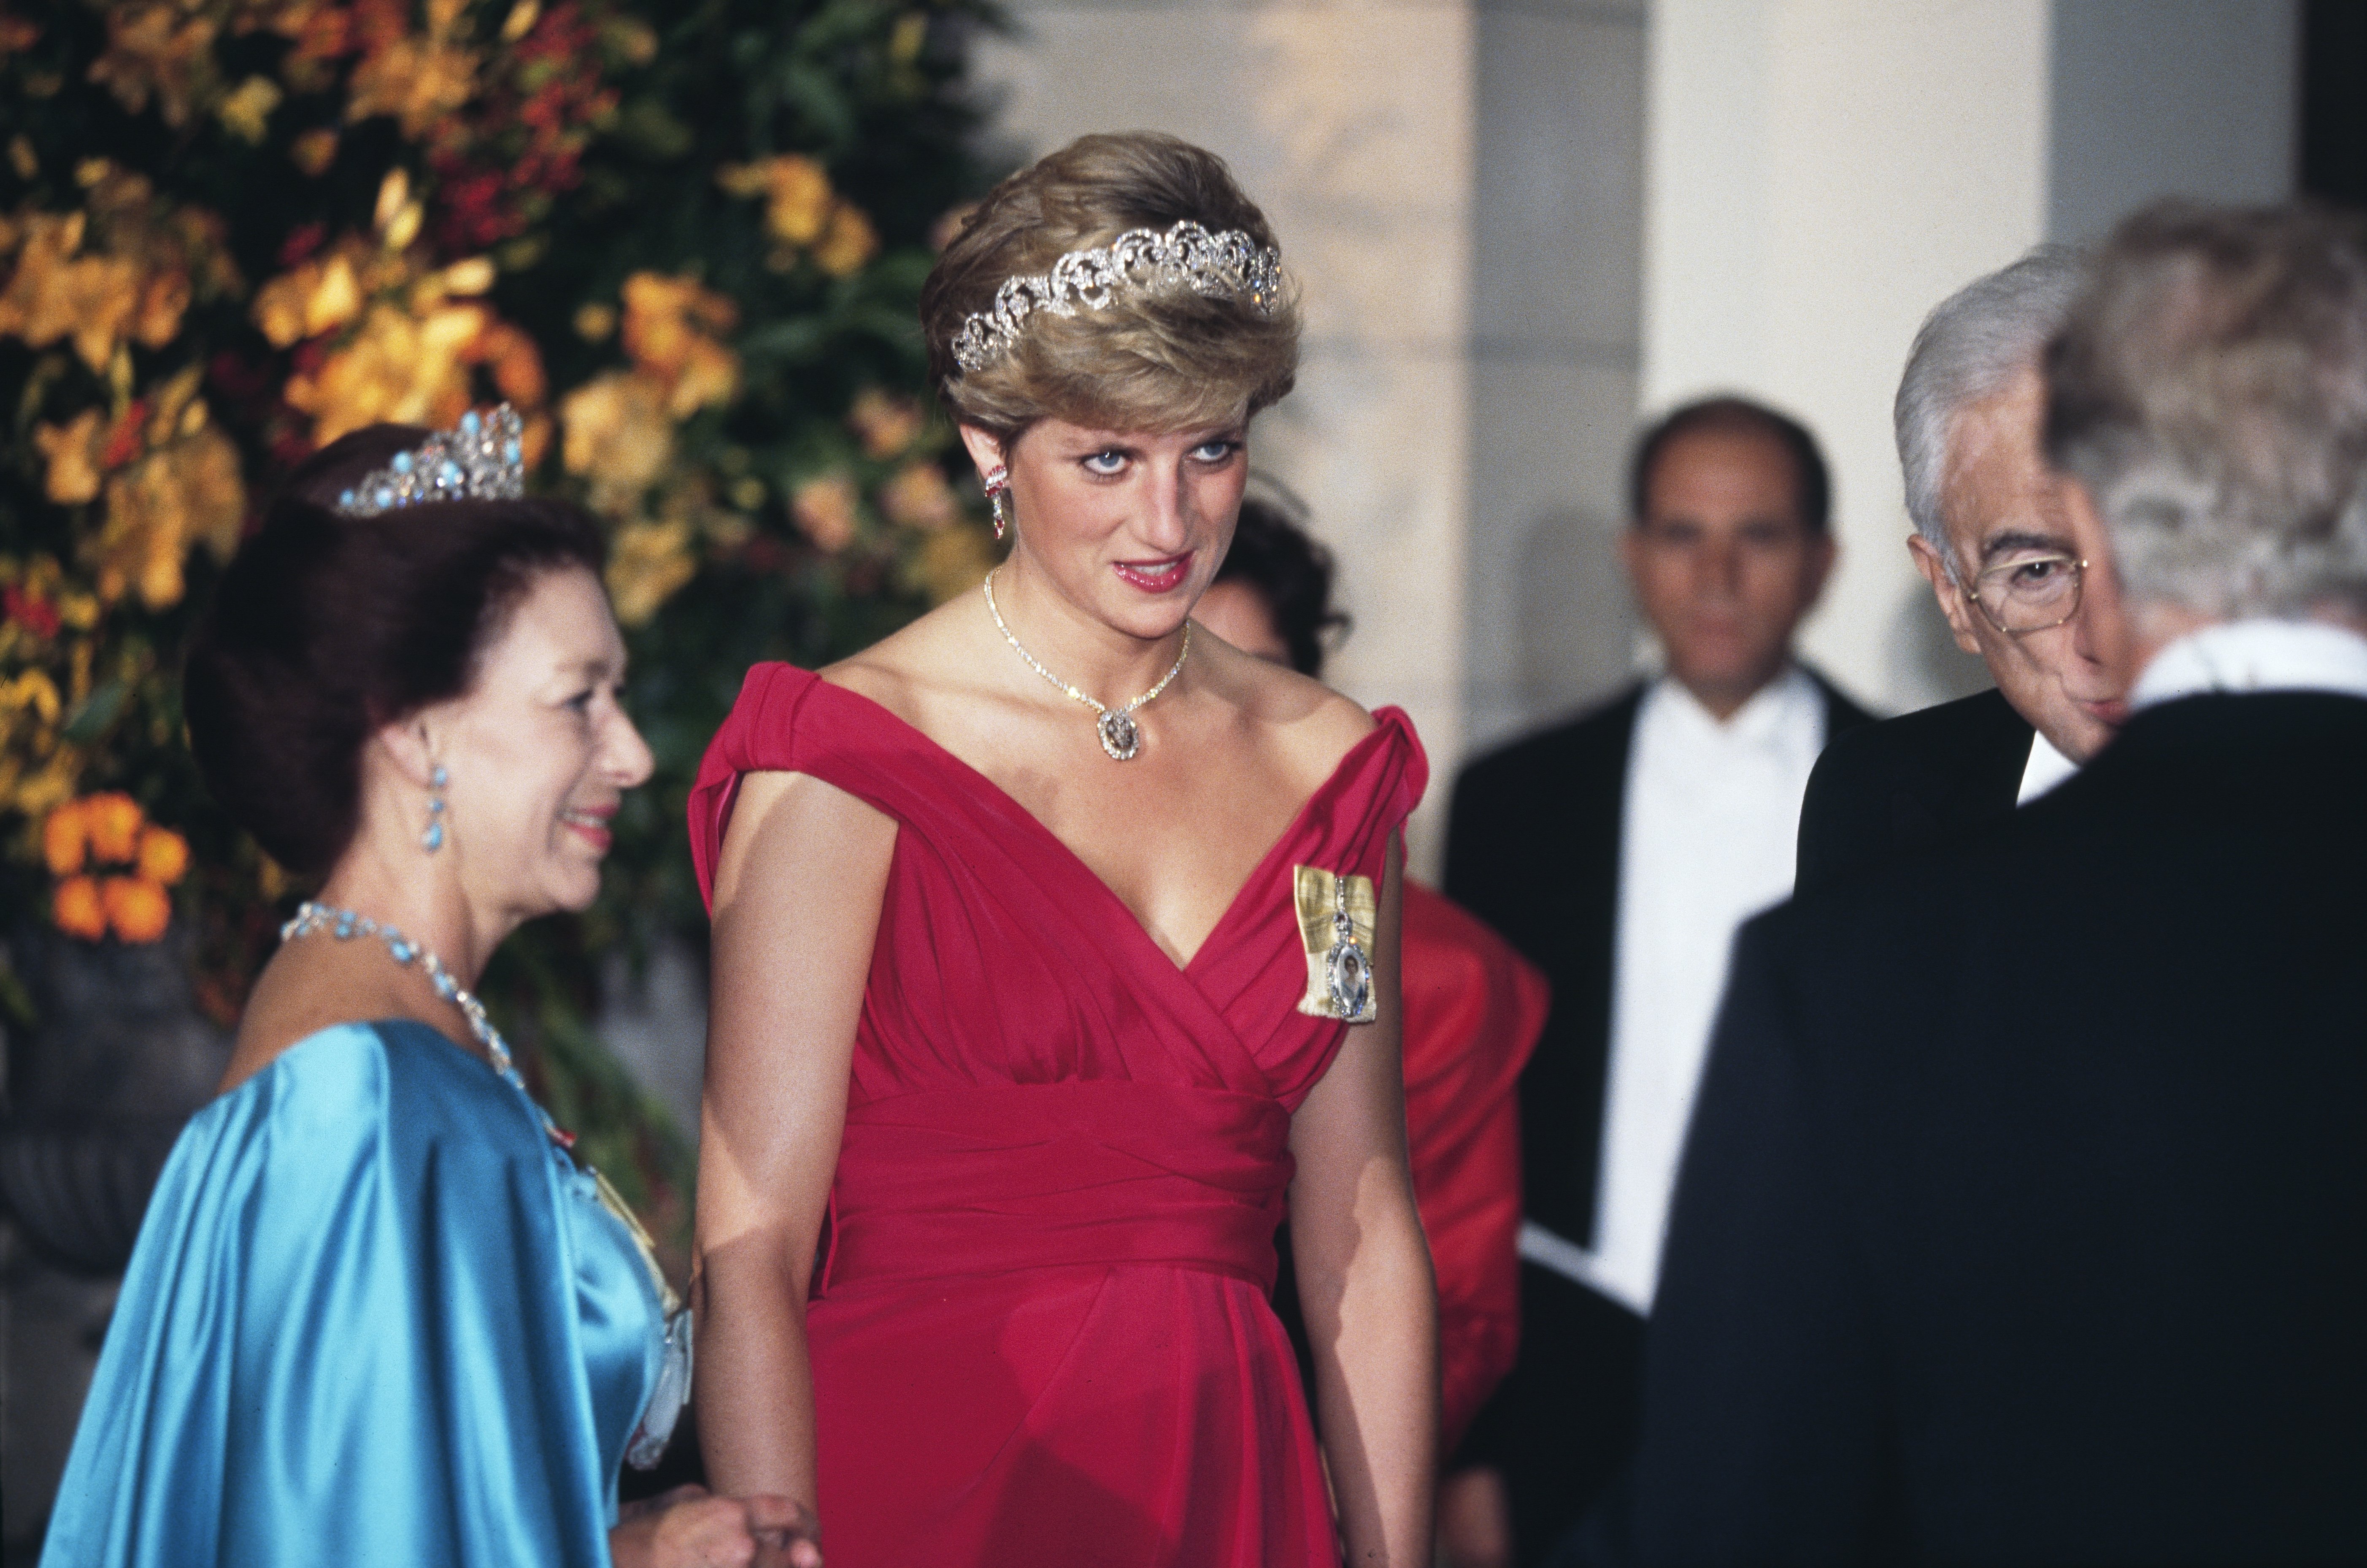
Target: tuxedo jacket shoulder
1921, 779
1532, 847
2019, 1217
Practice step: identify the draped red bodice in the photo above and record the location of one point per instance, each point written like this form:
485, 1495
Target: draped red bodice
1040, 1332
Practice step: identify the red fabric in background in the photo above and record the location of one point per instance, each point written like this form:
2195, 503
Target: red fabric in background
1041, 1335
1473, 1010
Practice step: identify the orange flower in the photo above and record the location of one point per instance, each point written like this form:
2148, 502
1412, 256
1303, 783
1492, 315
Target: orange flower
824, 511
887, 425
146, 54
671, 325
136, 907
114, 820
849, 245
918, 497
164, 855
796, 192
79, 909
73, 451
65, 839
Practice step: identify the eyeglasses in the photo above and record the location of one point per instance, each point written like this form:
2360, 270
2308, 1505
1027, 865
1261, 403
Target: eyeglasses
2033, 592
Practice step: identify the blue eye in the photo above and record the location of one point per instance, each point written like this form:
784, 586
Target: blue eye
1216, 452
1105, 463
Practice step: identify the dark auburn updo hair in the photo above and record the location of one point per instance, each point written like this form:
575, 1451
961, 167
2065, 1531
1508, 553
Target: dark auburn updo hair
1273, 553
327, 627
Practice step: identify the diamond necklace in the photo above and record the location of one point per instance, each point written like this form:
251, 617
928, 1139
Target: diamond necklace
345, 924
1117, 731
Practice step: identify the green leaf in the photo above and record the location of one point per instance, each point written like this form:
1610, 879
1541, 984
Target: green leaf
90, 721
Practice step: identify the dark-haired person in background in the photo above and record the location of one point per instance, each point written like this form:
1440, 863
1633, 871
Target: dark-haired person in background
377, 1315
2022, 1218
1619, 851
1997, 543
1473, 1007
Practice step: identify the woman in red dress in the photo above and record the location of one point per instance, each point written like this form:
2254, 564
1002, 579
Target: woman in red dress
1055, 958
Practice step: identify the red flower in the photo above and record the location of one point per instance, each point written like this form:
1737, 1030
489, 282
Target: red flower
31, 611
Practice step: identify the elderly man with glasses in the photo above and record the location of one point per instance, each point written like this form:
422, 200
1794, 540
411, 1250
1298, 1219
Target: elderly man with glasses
2007, 562
2023, 1214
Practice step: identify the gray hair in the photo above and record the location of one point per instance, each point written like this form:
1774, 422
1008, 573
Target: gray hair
2210, 389
1970, 348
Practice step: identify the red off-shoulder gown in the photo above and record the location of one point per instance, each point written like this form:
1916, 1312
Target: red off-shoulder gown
1040, 1333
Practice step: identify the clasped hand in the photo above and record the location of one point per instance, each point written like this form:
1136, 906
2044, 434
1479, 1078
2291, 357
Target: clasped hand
688, 1528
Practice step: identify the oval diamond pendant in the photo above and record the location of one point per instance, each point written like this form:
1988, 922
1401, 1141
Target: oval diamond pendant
1119, 737
1350, 977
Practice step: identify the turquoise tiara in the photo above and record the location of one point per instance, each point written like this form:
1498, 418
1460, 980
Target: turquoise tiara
481, 459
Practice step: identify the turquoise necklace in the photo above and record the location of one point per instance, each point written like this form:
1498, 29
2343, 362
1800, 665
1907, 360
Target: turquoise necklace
345, 924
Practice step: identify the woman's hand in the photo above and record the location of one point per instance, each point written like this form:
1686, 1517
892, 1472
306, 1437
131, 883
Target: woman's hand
689, 1529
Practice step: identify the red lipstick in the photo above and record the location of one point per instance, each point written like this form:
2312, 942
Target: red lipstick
1161, 576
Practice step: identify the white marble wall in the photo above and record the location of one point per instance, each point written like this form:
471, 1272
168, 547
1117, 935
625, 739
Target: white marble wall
1350, 124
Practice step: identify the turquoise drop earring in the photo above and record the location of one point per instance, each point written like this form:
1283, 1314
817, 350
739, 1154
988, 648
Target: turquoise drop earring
433, 839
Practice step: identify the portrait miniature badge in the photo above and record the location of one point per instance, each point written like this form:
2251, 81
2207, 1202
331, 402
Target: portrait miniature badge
1336, 917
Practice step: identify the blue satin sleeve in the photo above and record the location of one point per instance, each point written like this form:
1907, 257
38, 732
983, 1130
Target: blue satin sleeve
374, 1317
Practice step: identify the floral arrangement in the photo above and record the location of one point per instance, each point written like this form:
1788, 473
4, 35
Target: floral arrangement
684, 242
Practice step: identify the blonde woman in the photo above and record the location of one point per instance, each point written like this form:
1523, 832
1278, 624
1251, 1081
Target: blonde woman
1055, 958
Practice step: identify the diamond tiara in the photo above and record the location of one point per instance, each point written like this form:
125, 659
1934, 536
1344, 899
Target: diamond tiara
1227, 265
483, 458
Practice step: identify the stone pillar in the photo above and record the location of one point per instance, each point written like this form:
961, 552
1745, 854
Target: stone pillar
1350, 124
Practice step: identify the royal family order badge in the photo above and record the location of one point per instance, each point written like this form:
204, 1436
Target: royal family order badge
1336, 919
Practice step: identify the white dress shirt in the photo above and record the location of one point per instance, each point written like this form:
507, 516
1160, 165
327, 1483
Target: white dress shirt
2255, 655
2046, 769
1710, 838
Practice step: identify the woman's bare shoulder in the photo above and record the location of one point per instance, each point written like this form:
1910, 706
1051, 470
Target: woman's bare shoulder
1306, 724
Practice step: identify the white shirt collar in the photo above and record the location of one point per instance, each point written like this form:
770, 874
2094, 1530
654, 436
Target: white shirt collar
2255, 655
2046, 769
1774, 715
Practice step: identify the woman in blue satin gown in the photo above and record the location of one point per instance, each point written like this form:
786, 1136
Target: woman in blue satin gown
377, 1313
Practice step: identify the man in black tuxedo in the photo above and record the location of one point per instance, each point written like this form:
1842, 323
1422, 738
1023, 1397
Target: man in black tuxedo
1618, 852
2024, 1213
1987, 511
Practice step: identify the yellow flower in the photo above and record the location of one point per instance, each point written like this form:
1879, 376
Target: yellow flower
618, 436
887, 425
318, 296
79, 909
849, 245
113, 821
595, 321
183, 495
669, 333
164, 855
918, 497
314, 151
72, 451
796, 191
824, 511
32, 689
54, 294
652, 562
148, 55
399, 368
136, 907
246, 112
417, 80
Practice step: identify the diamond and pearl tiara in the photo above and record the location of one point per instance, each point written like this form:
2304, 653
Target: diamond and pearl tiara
483, 459
1226, 266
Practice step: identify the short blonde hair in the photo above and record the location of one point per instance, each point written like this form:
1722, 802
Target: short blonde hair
1152, 359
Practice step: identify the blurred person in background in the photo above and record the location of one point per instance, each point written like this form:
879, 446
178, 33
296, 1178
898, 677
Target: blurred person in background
377, 1312
1473, 1007
2000, 549
2022, 1216
1619, 851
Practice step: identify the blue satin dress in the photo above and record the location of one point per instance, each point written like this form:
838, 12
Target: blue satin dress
375, 1317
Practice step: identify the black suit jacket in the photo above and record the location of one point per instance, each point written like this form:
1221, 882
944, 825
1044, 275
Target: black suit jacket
1533, 848
1910, 782
2024, 1212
